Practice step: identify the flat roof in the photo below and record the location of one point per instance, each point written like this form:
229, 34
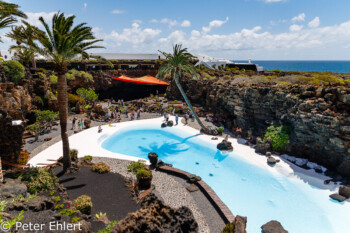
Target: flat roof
129, 56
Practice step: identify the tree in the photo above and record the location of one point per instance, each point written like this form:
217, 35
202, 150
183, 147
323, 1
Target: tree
44, 120
8, 13
24, 35
176, 65
88, 95
61, 43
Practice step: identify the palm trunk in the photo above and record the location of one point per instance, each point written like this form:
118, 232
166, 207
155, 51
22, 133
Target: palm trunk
34, 63
63, 115
188, 101
1, 175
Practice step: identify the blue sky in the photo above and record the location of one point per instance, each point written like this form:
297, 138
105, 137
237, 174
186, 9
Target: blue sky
239, 30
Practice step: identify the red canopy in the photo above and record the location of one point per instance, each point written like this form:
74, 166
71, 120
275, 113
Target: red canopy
148, 79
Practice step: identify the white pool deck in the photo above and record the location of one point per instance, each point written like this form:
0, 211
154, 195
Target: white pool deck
88, 142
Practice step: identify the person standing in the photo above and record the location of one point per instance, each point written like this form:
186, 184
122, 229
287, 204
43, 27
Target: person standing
138, 114
79, 124
186, 118
73, 123
126, 113
176, 119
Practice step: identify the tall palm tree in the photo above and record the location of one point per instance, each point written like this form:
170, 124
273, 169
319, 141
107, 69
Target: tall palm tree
176, 65
61, 43
25, 35
8, 13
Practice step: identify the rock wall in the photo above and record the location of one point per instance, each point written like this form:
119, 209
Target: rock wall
319, 116
15, 100
10, 138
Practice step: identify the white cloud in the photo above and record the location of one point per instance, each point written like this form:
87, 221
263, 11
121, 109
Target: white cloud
314, 23
117, 12
295, 27
33, 18
138, 21
170, 22
214, 24
185, 23
85, 5
299, 18
134, 35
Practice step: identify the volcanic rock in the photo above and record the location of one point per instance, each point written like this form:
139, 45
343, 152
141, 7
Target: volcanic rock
273, 227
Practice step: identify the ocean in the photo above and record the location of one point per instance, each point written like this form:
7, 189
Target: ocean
321, 66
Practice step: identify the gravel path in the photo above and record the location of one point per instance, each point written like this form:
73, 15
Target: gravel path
172, 190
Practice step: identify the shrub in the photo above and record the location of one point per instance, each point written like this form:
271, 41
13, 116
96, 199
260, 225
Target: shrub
229, 228
75, 219
100, 214
84, 204
74, 99
100, 167
87, 94
52, 192
38, 101
59, 207
143, 173
57, 198
109, 227
133, 167
73, 154
70, 76
53, 79
39, 179
88, 157
279, 136
14, 70
221, 129
87, 76
41, 75
68, 212
23, 157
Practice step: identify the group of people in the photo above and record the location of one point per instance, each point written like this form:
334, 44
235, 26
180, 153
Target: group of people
77, 124
166, 117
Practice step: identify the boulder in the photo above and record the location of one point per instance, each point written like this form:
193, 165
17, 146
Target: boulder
210, 130
240, 224
170, 123
262, 147
84, 227
271, 160
337, 197
12, 188
273, 227
40, 203
225, 146
192, 188
156, 216
344, 191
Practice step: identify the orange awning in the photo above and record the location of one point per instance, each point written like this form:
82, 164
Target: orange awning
148, 79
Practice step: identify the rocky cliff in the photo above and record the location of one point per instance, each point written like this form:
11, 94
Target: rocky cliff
319, 116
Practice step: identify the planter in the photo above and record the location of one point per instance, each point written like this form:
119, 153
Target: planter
144, 182
153, 158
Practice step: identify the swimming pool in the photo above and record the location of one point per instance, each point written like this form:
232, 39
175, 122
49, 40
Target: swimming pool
260, 193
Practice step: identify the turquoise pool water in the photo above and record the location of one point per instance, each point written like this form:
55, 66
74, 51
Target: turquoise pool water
247, 189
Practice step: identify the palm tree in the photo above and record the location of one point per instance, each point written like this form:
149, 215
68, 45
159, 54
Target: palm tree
61, 43
176, 65
24, 35
8, 13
